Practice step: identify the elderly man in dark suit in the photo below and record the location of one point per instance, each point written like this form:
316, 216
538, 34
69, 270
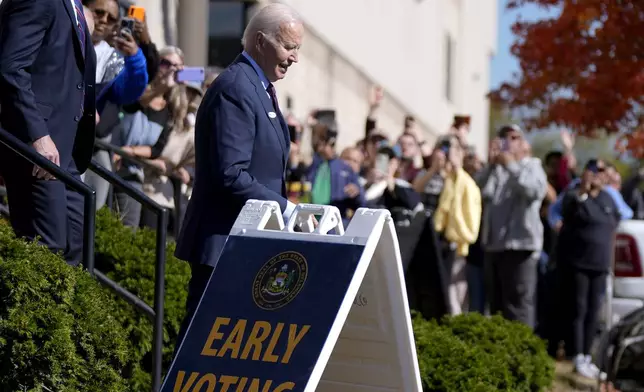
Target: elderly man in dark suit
47, 72
242, 142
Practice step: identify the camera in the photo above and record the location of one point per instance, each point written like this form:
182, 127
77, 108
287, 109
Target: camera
127, 25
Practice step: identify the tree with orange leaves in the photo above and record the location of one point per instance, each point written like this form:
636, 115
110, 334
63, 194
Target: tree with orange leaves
583, 69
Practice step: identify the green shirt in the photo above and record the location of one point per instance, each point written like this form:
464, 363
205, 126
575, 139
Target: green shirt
321, 192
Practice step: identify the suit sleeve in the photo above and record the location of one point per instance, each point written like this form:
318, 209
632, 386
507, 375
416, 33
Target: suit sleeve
22, 29
232, 146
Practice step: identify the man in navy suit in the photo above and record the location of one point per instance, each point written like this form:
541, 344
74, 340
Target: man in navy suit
242, 142
47, 72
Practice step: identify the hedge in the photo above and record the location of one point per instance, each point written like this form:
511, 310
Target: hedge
475, 353
57, 332
462, 353
128, 258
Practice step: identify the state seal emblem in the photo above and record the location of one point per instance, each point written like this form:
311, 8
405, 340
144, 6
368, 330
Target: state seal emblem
280, 280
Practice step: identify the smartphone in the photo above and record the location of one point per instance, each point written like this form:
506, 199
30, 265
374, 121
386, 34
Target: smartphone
137, 13
382, 163
444, 146
294, 134
191, 74
127, 25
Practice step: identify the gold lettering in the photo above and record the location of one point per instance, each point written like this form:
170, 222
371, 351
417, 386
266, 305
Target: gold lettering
234, 340
254, 385
260, 332
227, 381
268, 354
241, 385
179, 385
294, 338
208, 350
285, 386
208, 378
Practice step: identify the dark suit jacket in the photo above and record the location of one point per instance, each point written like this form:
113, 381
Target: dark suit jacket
44, 77
241, 154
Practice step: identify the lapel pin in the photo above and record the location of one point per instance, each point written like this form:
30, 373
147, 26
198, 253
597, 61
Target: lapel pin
272, 114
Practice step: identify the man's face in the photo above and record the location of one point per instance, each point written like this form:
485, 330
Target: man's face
515, 142
594, 174
353, 157
408, 146
472, 164
106, 16
280, 52
552, 166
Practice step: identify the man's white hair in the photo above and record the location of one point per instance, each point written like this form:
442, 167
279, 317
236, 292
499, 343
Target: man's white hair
268, 21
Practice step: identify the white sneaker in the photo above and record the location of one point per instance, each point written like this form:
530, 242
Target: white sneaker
583, 368
591, 365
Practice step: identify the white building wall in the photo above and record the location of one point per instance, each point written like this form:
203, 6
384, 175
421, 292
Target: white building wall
351, 45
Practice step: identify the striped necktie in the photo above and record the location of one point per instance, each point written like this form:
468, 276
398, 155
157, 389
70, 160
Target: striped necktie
80, 17
273, 95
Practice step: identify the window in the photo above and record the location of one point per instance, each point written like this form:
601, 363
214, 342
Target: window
449, 67
226, 23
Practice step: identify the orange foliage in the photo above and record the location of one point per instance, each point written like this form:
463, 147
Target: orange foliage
583, 69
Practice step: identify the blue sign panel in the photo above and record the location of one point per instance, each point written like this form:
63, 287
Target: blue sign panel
264, 317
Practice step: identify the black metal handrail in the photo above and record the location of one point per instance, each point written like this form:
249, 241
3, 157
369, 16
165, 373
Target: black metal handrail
89, 209
156, 313
174, 180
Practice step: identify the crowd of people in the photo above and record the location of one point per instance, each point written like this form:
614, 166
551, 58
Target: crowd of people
491, 232
528, 238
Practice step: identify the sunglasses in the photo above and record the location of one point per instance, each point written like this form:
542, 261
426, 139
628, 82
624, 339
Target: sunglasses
594, 167
168, 63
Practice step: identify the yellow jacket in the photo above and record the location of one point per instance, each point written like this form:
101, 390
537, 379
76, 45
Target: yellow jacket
458, 215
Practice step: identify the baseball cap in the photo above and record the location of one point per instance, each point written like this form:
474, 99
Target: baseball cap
384, 147
506, 129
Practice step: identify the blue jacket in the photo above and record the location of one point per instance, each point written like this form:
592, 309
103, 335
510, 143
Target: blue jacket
128, 86
555, 210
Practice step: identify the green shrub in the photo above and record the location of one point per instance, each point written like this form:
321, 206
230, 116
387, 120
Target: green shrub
128, 258
57, 332
476, 353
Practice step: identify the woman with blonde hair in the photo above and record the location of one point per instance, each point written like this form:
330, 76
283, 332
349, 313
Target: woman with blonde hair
175, 165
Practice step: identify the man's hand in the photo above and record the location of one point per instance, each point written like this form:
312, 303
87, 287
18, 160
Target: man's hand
141, 31
505, 158
45, 147
376, 96
183, 175
159, 164
352, 190
567, 139
126, 44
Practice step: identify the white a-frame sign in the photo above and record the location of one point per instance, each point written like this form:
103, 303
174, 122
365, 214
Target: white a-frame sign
321, 310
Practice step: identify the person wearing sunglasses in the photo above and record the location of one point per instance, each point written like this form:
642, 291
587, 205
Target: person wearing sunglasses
601, 168
584, 253
512, 188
